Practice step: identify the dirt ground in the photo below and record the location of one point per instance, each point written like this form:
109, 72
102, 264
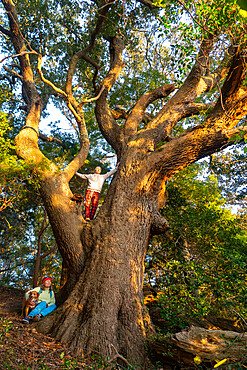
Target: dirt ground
23, 348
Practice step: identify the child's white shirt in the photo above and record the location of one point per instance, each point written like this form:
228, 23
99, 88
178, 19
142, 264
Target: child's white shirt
96, 181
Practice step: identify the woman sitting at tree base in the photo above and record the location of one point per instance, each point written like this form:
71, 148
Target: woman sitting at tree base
46, 301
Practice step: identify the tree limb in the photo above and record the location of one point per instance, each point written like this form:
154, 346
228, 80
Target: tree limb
107, 124
83, 53
50, 139
136, 116
192, 145
169, 120
232, 95
189, 87
180, 105
6, 32
182, 101
30, 93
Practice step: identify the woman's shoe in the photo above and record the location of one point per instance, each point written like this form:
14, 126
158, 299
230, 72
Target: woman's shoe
26, 320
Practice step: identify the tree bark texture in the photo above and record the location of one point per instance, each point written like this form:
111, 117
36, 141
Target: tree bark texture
105, 309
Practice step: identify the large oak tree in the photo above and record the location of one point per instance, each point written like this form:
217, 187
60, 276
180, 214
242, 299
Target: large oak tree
101, 287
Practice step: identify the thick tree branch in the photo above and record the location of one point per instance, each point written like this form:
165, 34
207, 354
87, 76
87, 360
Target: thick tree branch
189, 87
191, 146
30, 93
136, 116
212, 79
232, 95
27, 140
182, 101
180, 104
107, 124
153, 136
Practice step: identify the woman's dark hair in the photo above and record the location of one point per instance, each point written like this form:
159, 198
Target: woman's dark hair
42, 287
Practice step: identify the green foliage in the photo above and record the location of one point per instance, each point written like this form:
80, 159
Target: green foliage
5, 326
13, 171
202, 266
230, 169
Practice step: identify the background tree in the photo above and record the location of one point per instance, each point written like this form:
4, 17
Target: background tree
201, 267
84, 53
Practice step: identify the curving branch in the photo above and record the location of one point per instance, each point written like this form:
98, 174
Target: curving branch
107, 124
231, 104
194, 144
169, 119
49, 83
137, 114
51, 139
82, 54
190, 85
181, 104
27, 140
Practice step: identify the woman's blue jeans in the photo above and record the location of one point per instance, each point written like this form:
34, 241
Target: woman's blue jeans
42, 309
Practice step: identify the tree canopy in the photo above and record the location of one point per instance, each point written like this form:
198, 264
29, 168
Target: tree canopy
157, 86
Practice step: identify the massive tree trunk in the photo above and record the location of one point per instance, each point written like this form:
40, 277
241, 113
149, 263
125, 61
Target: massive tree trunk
107, 300
103, 260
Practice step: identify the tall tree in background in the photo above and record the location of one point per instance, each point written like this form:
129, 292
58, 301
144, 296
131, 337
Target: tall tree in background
102, 275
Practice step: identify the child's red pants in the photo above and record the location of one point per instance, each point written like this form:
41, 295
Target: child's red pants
91, 203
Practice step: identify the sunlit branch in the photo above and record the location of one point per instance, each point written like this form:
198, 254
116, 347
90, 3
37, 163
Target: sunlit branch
189, 87
170, 118
231, 105
93, 99
181, 104
182, 149
49, 83
79, 117
107, 124
136, 116
237, 113
19, 55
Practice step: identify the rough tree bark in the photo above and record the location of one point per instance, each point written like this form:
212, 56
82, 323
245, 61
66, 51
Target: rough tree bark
103, 260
